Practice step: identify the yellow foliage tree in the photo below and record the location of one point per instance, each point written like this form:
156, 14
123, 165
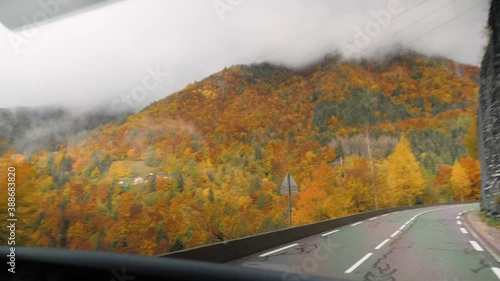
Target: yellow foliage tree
473, 171
119, 170
360, 183
95, 173
470, 139
404, 176
77, 236
460, 182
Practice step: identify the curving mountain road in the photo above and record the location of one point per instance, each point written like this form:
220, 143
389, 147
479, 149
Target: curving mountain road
421, 244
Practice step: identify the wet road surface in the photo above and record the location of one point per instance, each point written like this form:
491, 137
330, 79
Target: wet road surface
422, 244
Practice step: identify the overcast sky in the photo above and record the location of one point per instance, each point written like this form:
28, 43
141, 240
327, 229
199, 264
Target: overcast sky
106, 56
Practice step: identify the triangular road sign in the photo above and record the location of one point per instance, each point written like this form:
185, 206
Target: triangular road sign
288, 180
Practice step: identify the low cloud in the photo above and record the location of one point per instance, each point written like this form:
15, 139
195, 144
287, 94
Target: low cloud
93, 59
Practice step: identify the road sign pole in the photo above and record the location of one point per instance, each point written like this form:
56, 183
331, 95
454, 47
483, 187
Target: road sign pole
289, 201
289, 187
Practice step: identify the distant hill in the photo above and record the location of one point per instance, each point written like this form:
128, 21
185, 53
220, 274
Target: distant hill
204, 164
29, 130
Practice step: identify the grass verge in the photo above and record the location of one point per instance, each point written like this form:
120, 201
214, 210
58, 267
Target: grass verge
490, 221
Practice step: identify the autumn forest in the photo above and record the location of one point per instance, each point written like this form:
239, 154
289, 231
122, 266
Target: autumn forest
205, 164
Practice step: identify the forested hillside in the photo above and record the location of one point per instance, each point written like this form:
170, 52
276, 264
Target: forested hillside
205, 164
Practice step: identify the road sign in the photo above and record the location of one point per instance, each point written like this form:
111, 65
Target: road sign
294, 187
289, 187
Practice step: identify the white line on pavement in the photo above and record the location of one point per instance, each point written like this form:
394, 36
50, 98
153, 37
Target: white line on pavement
328, 233
352, 268
382, 244
458, 217
395, 233
476, 246
277, 250
459, 222
372, 218
496, 270
354, 224
384, 215
464, 231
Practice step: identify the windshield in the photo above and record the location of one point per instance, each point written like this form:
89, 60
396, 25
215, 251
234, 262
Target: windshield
150, 127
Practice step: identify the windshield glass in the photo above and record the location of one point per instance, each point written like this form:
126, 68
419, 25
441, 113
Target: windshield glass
149, 127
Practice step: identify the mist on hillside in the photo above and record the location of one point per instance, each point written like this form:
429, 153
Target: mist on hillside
124, 56
29, 130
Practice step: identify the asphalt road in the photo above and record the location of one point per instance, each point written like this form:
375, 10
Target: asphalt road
422, 244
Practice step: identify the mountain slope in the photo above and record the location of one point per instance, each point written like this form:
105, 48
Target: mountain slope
204, 164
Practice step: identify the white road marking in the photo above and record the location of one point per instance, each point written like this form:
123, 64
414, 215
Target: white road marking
354, 224
464, 231
476, 246
328, 233
458, 217
372, 218
496, 270
384, 215
459, 222
395, 233
403, 226
396, 212
382, 244
277, 250
352, 268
